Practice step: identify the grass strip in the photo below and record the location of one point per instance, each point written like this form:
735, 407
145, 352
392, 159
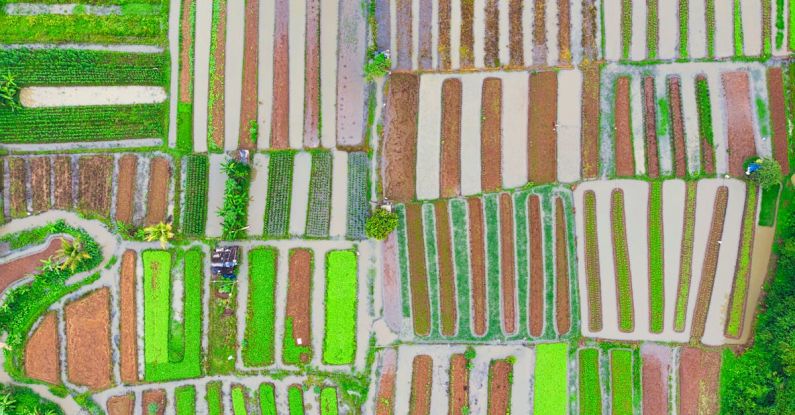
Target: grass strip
656, 259
185, 397
238, 401
738, 29
767, 208
328, 401
185, 127
280, 184
339, 343
590, 389
259, 341
551, 395
77, 28
743, 273
621, 255
621, 381
460, 225
214, 398
492, 225
267, 399
710, 17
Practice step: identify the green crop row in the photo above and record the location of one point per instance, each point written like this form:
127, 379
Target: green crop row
185, 127
339, 343
76, 28
280, 183
767, 208
258, 344
652, 29
621, 255
742, 275
185, 397
319, 209
214, 398
656, 282
196, 195
267, 399
684, 28
626, 28
592, 263
70, 124
687, 256
328, 401
590, 389
551, 394
157, 305
738, 29
235, 208
358, 194
238, 401
621, 381
295, 400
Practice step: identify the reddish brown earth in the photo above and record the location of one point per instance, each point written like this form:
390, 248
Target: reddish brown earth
385, 402
42, 352
186, 43
740, 118
710, 263
590, 120
650, 127
539, 33
157, 197
40, 183
592, 264
154, 396
95, 187
778, 116
477, 264
699, 376
678, 124
625, 159
217, 79
562, 301
536, 306
121, 405
280, 138
248, 107
425, 52
312, 75
404, 35
500, 387
589, 30
542, 131
420, 303
125, 187
63, 182
88, 351
507, 268
564, 35
128, 339
459, 384
707, 150
422, 376
491, 56
443, 47
515, 34
18, 177
450, 168
467, 54
655, 385
491, 135
299, 298
21, 267
400, 137
447, 297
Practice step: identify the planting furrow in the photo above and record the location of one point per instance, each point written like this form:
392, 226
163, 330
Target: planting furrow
590, 120
281, 77
690, 121
460, 242
500, 382
467, 45
542, 130
592, 268
421, 380
297, 347
402, 45
699, 372
678, 126
88, 348
157, 195
507, 264
625, 162
358, 194
312, 84
478, 266
95, 184
539, 32
685, 270
741, 131
515, 34
153, 401
450, 160
420, 300
458, 391
491, 39
650, 123
121, 405
491, 135
562, 296
400, 138
623, 275
705, 125
778, 117
40, 184
536, 286
564, 32
42, 351
128, 338
319, 207
126, 188
444, 29
62, 171
447, 292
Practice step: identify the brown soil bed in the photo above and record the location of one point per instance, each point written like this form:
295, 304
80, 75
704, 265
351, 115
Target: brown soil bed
655, 385
542, 131
40, 183
62, 167
589, 30
536, 297
447, 297
539, 33
128, 339
186, 43
515, 34
95, 173
562, 301
564, 35
18, 178
740, 119
678, 126
21, 267
443, 47
590, 121
778, 117
625, 159
592, 263
125, 187
477, 264
500, 387
312, 75
699, 373
42, 352
121, 405
299, 298
248, 105
507, 268
710, 263
88, 351
425, 52
650, 127
707, 149
154, 397
420, 303
385, 402
421, 378
400, 137
157, 197
404, 35
491, 135
281, 78
450, 169
491, 56
459, 384
467, 54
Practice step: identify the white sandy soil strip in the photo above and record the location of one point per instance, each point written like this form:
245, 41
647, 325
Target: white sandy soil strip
215, 195
551, 18
71, 96
514, 129
339, 194
719, 122
297, 36
636, 208
724, 28
415, 34
751, 13
86, 46
439, 387
575, 38
612, 29
233, 74
201, 68
329, 11
638, 42
368, 266
527, 32
133, 143
668, 26
569, 125
428, 137
29, 9
300, 196
455, 34
393, 32
318, 299
697, 29
470, 134
690, 116
479, 31
265, 75
673, 214
505, 24
638, 138
258, 193
350, 86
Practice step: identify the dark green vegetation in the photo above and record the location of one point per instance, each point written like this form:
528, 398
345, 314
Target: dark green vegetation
267, 399
214, 398
590, 390
358, 193
235, 198
185, 127
767, 210
295, 398
195, 196
319, 211
258, 344
21, 400
185, 397
380, 224
656, 283
280, 184
621, 381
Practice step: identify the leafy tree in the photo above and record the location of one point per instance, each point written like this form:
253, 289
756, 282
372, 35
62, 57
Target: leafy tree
236, 198
71, 254
9, 92
769, 173
160, 232
7, 404
380, 224
378, 66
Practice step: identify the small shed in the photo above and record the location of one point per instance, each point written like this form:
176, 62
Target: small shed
223, 261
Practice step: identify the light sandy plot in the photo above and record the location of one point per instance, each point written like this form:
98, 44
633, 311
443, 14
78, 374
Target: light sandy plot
551, 21
505, 23
215, 195
351, 96
606, 127
760, 260
455, 34
751, 13
435, 34
636, 208
638, 42
204, 14
760, 98
719, 122
267, 9
393, 33
367, 252
439, 387
329, 12
233, 72
575, 22
300, 196
569, 125
318, 296
415, 33
258, 193
705, 202
428, 136
479, 31
781, 50
724, 28
527, 32
690, 115
297, 33
697, 29
669, 28
339, 194
664, 145
638, 138
71, 96
673, 215
612, 29
470, 134
514, 129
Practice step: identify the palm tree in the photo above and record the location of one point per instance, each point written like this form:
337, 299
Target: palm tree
160, 232
47, 264
72, 254
37, 411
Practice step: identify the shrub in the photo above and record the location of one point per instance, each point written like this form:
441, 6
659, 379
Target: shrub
381, 223
378, 66
769, 173
9, 92
235, 198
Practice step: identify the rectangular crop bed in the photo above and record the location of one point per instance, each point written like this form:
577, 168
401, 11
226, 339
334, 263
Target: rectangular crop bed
339, 343
259, 339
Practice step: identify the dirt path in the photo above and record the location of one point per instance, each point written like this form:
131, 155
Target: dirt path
778, 117
450, 164
542, 127
400, 138
428, 145
570, 114
514, 129
507, 266
157, 197
447, 291
88, 349
562, 297
421, 379
478, 265
625, 162
40, 184
491, 135
536, 295
298, 309
248, 107
500, 374
125, 187
42, 360
128, 337
699, 372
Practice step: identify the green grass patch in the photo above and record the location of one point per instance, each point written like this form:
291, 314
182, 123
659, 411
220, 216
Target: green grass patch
280, 184
663, 116
222, 336
743, 273
185, 397
621, 381
157, 305
738, 29
258, 343
763, 117
267, 399
710, 17
458, 215
328, 401
622, 271
656, 280
626, 28
76, 28
590, 390
238, 401
196, 179
652, 29
214, 398
295, 400
491, 219
592, 262
767, 208
185, 127
319, 211
551, 394
339, 343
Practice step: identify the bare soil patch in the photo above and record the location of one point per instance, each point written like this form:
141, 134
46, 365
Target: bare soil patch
400, 137
507, 268
491, 57
590, 119
467, 54
450, 168
443, 48
95, 188
18, 178
121, 405
699, 373
500, 387
385, 400
539, 32
88, 352
736, 86
650, 125
515, 34
625, 158
299, 298
125, 187
280, 126
589, 30
678, 124
491, 135
128, 342
40, 183
42, 352
217, 78
151, 398
312, 75
459, 384
447, 297
477, 264
778, 116
420, 303
425, 52
185, 62
564, 35
404, 34
536, 306
421, 379
21, 267
562, 301
542, 131
249, 97
62, 167
157, 198
655, 385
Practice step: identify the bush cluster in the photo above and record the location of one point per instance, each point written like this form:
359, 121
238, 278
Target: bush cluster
235, 198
